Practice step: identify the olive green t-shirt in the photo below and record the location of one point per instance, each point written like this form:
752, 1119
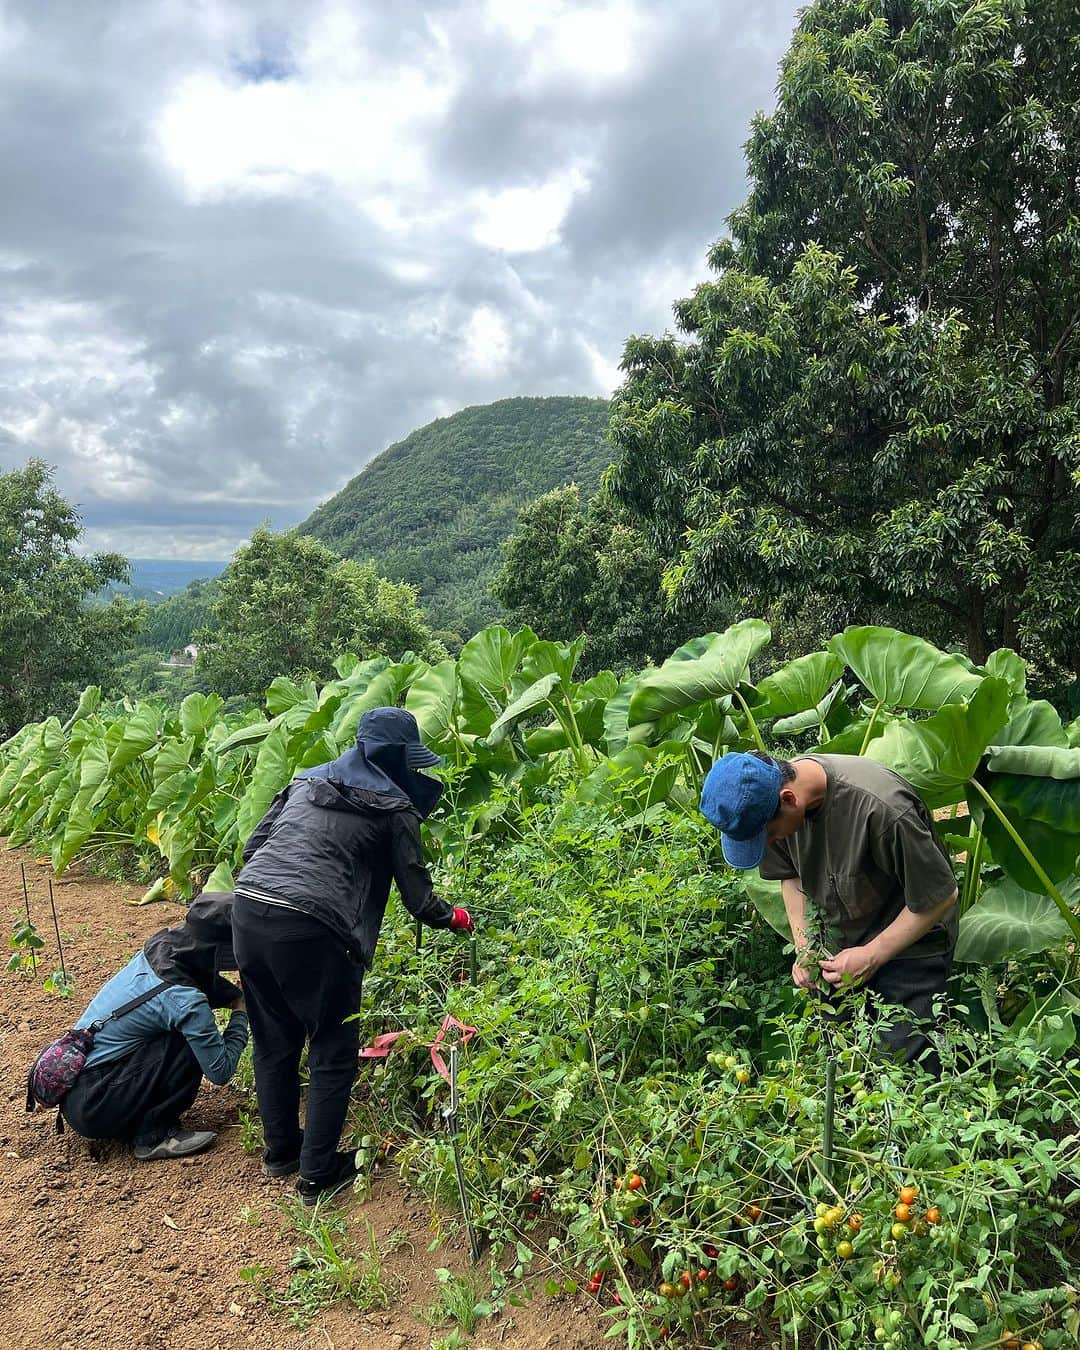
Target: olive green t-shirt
866, 852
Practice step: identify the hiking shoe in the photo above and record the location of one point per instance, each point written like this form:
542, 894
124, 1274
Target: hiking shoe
176, 1144
344, 1174
281, 1169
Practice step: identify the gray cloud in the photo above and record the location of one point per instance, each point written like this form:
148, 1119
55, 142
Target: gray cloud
246, 246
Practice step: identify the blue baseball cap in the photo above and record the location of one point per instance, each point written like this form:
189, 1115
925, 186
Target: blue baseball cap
741, 795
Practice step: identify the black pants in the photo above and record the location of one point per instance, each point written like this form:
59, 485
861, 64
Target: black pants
903, 993
140, 1097
300, 984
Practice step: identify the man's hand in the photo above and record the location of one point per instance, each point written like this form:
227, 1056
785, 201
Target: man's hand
462, 921
852, 966
239, 1005
800, 973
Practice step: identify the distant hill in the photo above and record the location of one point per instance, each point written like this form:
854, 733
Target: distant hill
434, 508
155, 578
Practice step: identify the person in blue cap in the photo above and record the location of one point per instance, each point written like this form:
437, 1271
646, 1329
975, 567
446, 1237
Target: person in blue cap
858, 839
309, 904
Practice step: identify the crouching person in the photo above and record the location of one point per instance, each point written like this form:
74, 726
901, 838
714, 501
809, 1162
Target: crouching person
148, 1060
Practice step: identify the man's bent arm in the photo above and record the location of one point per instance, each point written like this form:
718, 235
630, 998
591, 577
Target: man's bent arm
855, 965
907, 928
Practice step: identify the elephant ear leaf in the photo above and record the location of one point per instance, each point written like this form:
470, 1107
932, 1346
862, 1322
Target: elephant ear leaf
431, 700
272, 771
939, 754
904, 671
801, 685
1008, 921
768, 901
720, 668
1037, 788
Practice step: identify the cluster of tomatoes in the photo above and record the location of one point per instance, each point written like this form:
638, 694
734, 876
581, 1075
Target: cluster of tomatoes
907, 1220
721, 1061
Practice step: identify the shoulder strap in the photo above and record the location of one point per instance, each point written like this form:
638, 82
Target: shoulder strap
130, 1006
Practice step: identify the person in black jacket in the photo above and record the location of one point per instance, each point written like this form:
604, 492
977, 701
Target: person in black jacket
310, 900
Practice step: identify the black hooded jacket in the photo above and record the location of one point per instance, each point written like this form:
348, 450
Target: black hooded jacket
194, 952
332, 850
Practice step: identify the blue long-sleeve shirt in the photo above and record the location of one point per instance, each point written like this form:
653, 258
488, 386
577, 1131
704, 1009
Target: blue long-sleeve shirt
179, 1007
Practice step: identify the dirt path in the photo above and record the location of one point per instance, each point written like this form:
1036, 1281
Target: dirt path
118, 1254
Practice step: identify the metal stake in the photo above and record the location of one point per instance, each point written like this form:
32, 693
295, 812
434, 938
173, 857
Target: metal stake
56, 925
29, 921
472, 958
829, 1116
419, 936
450, 1115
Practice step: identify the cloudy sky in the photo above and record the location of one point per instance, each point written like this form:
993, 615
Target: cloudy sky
246, 246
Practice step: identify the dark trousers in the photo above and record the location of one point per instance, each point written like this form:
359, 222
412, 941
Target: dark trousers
300, 984
902, 995
140, 1097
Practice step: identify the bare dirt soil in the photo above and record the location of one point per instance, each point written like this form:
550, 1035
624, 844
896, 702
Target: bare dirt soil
107, 1252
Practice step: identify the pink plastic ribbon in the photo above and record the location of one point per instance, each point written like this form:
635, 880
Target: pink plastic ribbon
381, 1046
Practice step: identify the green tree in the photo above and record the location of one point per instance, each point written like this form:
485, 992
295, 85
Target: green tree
52, 641
874, 405
569, 569
172, 622
287, 605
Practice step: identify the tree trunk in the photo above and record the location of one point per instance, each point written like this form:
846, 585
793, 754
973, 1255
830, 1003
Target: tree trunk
977, 644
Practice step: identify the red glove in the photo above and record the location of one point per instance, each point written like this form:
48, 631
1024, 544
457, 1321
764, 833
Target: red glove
462, 921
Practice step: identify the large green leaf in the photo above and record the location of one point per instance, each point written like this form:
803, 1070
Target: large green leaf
220, 880
485, 672
1006, 665
140, 733
199, 712
720, 669
172, 756
384, 691
545, 658
937, 755
431, 699
903, 671
1009, 921
272, 771
616, 714
1037, 761
89, 703
831, 715
536, 696
171, 789
82, 818
284, 694
1031, 722
1042, 812
768, 901
800, 685
253, 734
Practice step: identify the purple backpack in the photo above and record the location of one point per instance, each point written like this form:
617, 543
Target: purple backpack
53, 1073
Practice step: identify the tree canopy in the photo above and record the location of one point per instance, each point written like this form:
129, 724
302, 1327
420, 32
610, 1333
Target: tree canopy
874, 404
52, 641
571, 569
288, 605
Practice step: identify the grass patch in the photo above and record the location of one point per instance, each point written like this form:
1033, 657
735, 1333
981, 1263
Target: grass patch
324, 1270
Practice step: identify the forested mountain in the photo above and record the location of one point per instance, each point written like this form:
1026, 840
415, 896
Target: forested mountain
434, 508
